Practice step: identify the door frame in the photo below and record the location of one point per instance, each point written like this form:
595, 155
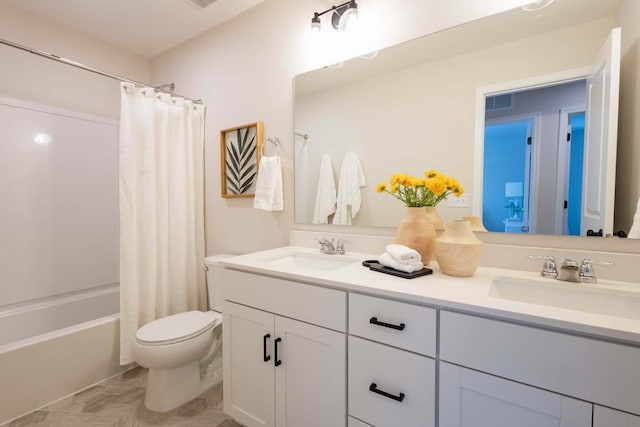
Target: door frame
528, 83
562, 186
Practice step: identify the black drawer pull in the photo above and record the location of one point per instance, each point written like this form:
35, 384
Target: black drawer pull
375, 321
278, 362
265, 356
374, 388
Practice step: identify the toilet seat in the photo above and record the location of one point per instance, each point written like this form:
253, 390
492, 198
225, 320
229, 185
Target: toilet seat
177, 328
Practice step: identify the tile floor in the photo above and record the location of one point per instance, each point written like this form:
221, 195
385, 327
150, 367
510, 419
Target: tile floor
118, 402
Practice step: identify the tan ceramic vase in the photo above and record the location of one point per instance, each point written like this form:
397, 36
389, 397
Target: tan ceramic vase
459, 250
434, 217
417, 232
476, 223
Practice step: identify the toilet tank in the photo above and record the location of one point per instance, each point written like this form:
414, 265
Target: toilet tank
214, 286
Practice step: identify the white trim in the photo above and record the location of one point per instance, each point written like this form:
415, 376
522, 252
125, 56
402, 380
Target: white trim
43, 108
528, 83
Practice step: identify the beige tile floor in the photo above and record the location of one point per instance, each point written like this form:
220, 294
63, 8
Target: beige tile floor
118, 402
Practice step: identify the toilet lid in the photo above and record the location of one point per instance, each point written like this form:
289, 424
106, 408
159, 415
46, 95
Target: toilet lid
178, 327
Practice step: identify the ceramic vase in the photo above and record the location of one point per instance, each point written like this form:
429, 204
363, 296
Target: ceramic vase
459, 250
434, 217
417, 232
476, 223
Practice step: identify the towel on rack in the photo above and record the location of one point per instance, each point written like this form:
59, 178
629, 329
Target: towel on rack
349, 183
634, 233
268, 194
388, 261
326, 193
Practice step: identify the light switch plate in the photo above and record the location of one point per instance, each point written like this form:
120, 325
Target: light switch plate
458, 202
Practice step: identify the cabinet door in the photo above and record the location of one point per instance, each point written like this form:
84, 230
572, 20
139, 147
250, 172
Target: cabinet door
248, 379
606, 417
311, 378
473, 399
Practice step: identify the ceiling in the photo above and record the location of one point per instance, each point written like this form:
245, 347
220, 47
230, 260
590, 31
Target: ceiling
145, 27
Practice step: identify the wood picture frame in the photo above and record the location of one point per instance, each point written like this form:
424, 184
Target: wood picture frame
240, 151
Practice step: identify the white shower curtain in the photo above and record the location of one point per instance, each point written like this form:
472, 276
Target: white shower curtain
161, 209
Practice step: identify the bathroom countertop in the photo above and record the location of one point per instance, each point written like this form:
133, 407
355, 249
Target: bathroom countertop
470, 294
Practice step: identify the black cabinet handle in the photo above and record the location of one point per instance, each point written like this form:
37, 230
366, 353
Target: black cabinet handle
265, 356
374, 388
277, 362
375, 321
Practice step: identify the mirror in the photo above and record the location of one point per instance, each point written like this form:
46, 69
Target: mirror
412, 107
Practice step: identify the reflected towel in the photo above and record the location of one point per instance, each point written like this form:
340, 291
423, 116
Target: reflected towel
634, 233
351, 179
269, 195
403, 253
326, 193
388, 261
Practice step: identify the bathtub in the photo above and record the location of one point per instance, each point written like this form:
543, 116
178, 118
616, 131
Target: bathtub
54, 347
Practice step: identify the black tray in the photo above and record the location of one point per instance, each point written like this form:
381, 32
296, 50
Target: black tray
376, 266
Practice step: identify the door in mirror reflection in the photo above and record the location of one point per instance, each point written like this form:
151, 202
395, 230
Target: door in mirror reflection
506, 181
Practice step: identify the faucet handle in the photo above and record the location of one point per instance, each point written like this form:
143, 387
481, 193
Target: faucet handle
340, 246
587, 273
549, 268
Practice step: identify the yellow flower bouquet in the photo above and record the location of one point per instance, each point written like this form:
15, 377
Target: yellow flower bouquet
418, 192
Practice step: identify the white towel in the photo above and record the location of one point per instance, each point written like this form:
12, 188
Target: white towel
326, 193
388, 261
269, 185
351, 179
634, 233
403, 254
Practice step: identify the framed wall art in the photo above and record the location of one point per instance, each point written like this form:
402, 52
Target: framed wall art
240, 149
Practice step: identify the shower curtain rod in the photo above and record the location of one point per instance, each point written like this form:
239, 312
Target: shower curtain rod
66, 61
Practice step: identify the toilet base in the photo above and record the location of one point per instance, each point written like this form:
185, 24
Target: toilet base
169, 388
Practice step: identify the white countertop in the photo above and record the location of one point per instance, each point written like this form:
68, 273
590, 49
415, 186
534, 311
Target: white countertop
470, 294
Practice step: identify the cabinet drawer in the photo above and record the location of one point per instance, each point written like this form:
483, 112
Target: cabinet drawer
408, 326
356, 423
313, 304
376, 367
589, 369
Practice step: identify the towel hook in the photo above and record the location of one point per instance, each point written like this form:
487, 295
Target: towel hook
275, 141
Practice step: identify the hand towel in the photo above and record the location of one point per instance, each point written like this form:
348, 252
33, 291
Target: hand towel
634, 233
351, 179
326, 193
268, 194
403, 253
388, 261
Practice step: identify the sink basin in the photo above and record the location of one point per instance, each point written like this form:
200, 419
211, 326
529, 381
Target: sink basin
311, 261
575, 296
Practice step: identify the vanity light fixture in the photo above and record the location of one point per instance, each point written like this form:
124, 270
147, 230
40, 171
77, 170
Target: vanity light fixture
536, 5
342, 18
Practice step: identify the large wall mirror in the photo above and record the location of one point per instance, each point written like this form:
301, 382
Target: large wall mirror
414, 107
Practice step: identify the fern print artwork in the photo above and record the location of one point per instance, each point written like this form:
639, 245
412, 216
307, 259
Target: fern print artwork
240, 155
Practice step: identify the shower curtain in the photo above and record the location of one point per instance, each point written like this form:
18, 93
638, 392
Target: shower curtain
161, 176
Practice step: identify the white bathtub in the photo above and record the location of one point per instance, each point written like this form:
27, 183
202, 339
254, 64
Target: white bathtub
55, 347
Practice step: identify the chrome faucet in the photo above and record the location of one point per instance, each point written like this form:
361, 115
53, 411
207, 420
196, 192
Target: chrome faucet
330, 247
570, 271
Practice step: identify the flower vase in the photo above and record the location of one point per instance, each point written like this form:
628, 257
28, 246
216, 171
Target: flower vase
417, 232
434, 217
459, 250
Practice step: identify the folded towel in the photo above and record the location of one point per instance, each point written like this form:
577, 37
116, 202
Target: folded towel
326, 193
634, 232
403, 253
268, 194
388, 261
350, 181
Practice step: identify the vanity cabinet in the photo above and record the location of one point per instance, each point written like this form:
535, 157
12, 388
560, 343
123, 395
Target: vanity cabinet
391, 376
473, 399
607, 417
279, 371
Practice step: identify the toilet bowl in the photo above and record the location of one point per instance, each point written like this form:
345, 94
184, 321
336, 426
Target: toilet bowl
183, 352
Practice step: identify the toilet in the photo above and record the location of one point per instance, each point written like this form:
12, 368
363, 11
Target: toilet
183, 352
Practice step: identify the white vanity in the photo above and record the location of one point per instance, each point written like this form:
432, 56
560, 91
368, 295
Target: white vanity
319, 340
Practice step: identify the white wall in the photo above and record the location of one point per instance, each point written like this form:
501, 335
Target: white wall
244, 69
31, 78
628, 172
